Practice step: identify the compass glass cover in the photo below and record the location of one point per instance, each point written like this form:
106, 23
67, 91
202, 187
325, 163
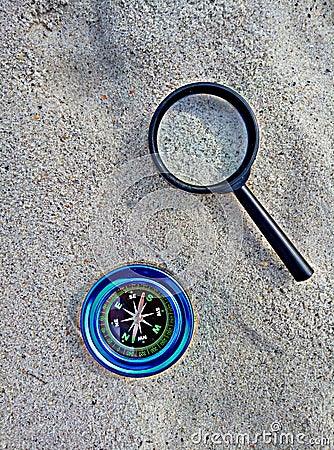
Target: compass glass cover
137, 320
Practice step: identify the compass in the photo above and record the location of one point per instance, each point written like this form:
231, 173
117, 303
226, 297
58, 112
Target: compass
137, 320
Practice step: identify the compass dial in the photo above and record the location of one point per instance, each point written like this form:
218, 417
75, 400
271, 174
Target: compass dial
137, 321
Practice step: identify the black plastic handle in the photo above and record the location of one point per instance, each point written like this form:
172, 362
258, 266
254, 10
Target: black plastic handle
288, 253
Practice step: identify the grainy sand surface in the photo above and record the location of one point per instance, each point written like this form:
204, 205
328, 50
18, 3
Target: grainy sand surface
80, 82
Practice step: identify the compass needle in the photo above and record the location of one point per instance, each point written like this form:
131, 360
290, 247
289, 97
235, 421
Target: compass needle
141, 303
135, 331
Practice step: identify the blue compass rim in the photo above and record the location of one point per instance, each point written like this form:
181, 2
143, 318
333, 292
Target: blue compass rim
153, 364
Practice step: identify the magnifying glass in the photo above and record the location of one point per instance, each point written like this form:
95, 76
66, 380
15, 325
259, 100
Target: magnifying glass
204, 138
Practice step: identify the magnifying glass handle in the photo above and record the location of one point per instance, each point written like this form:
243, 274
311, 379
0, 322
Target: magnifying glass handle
288, 253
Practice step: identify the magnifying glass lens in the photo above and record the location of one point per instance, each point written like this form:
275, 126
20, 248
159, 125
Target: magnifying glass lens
202, 139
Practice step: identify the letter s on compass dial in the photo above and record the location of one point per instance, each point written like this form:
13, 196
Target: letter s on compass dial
137, 320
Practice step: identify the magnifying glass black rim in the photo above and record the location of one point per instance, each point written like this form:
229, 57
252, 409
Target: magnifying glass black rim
239, 177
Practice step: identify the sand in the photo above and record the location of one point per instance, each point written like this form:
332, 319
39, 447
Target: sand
80, 82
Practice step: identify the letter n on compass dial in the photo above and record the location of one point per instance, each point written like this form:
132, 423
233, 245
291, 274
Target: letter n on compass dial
137, 321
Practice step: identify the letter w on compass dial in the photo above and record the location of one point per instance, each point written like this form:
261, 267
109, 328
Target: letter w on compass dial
140, 321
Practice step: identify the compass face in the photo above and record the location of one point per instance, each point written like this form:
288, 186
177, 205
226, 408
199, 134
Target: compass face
137, 321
